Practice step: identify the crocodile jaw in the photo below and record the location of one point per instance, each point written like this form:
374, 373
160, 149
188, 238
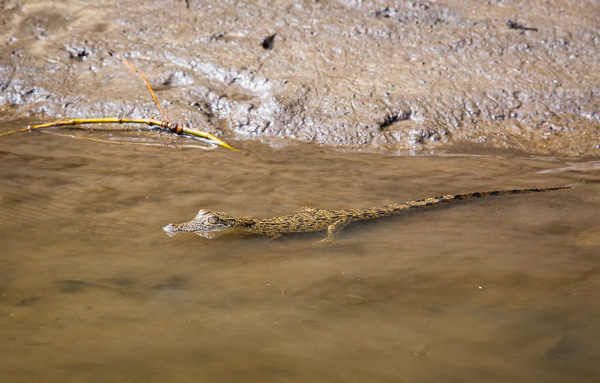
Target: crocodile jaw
172, 229
206, 224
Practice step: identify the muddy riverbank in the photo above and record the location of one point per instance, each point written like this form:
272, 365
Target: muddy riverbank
443, 75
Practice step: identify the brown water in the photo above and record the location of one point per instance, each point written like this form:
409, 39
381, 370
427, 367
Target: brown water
500, 289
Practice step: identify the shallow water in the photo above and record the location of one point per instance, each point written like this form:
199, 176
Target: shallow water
498, 289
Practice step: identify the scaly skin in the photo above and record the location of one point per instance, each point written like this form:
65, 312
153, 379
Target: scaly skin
210, 224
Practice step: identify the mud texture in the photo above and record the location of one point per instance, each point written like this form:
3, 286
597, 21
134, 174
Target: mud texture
370, 75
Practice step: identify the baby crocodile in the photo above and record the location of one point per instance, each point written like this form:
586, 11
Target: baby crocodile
210, 224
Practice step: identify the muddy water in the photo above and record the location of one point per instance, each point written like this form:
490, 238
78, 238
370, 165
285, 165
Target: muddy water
93, 290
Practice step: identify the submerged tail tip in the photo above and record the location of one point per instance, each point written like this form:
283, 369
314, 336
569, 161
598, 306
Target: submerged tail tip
551, 188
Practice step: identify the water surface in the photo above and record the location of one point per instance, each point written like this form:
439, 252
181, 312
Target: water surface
91, 288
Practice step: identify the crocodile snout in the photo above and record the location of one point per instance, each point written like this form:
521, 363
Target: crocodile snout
170, 228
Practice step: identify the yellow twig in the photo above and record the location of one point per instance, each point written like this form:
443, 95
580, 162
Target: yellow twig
14, 131
173, 127
121, 59
176, 128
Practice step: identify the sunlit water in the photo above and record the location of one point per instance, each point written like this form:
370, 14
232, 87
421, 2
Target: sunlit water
498, 289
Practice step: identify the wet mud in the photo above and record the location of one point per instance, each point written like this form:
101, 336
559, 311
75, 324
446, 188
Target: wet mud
413, 75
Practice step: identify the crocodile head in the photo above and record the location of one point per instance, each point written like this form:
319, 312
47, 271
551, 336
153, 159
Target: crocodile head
208, 224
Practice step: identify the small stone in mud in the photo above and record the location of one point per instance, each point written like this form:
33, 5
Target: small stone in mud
268, 42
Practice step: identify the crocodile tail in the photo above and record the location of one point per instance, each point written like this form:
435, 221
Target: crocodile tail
397, 208
458, 197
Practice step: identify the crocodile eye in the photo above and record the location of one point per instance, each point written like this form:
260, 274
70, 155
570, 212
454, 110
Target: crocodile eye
213, 220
